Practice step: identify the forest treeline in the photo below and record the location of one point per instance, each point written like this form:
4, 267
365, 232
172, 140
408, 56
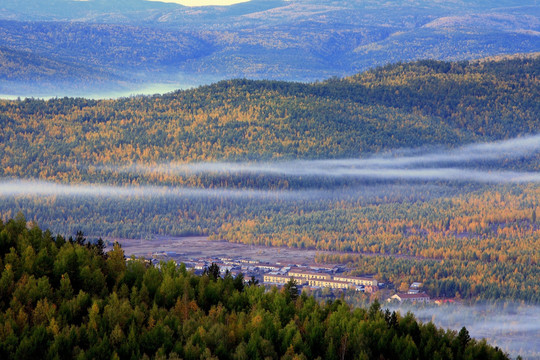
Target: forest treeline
65, 298
402, 105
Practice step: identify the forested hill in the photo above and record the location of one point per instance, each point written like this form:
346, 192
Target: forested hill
68, 299
402, 105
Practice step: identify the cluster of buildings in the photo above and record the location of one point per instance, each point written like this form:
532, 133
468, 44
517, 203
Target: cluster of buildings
305, 275
233, 266
314, 276
323, 280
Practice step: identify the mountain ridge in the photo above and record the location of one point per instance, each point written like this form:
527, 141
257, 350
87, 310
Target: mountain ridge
303, 40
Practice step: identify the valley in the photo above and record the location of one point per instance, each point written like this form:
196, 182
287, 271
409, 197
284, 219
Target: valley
419, 161
271, 179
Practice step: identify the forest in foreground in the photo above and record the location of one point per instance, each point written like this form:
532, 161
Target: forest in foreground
66, 298
223, 160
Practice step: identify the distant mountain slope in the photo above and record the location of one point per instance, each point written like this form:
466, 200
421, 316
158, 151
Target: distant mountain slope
301, 40
83, 56
402, 105
111, 46
25, 66
68, 10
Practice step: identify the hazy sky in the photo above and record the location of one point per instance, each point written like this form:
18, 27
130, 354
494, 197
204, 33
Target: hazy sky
203, 2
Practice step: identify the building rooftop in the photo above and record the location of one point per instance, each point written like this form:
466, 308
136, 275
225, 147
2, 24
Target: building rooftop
330, 281
354, 277
413, 296
307, 272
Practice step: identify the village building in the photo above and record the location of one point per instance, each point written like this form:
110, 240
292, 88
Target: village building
200, 266
357, 280
323, 267
269, 267
418, 298
445, 301
306, 275
332, 284
276, 279
415, 288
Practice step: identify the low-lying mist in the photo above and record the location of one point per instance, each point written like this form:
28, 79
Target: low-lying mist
138, 84
365, 194
46, 188
467, 164
407, 171
509, 326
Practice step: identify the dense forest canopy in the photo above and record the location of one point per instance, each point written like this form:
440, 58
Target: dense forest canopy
68, 299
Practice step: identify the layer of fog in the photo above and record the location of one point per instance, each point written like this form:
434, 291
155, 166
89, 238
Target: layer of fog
339, 169
512, 327
139, 90
46, 188
364, 194
451, 165
146, 89
426, 168
144, 85
199, 3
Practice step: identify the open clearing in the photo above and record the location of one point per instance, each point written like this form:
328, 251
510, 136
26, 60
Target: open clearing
198, 247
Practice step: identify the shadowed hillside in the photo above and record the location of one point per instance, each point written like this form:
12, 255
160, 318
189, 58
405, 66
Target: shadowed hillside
303, 40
